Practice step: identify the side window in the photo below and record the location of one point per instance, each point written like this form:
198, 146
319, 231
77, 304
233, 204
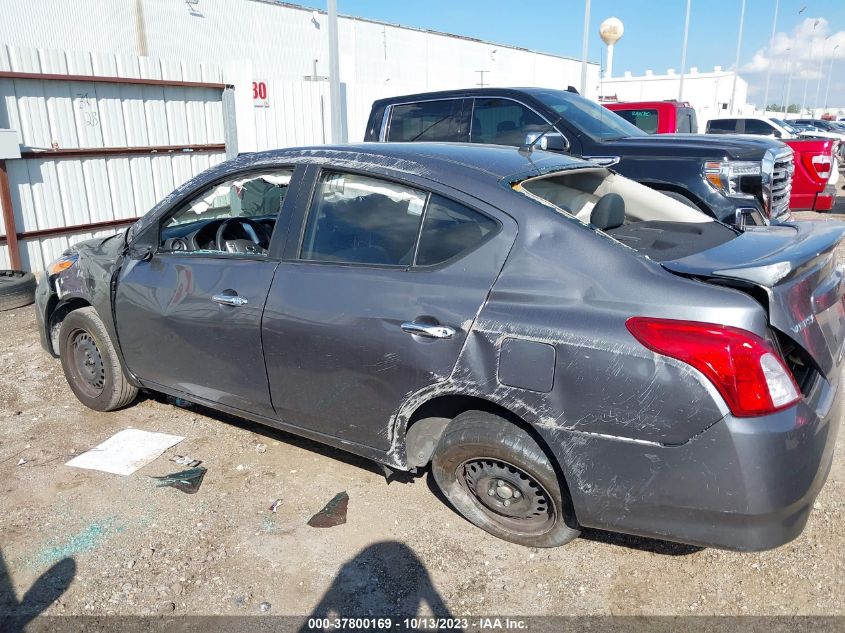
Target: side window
503, 122
450, 229
684, 122
362, 220
753, 126
237, 216
725, 126
427, 121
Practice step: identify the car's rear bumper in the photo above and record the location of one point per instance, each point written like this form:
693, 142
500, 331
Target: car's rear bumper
744, 483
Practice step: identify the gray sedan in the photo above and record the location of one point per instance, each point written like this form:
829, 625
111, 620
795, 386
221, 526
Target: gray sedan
562, 345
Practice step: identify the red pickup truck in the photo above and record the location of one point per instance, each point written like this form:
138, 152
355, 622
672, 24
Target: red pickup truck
812, 181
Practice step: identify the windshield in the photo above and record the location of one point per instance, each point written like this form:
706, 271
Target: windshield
786, 126
590, 118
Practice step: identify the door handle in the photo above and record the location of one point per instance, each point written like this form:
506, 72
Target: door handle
428, 330
230, 300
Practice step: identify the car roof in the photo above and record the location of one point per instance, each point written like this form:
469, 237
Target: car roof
436, 161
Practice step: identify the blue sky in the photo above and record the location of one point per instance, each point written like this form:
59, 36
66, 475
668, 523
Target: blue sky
653, 32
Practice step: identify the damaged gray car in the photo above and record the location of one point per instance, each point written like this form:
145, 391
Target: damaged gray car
562, 345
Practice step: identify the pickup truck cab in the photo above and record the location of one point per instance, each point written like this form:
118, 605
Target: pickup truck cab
816, 167
658, 117
738, 180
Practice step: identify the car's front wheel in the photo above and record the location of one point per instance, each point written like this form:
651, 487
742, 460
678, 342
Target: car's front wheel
90, 362
497, 476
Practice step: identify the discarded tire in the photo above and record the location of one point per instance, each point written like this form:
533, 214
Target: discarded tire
17, 289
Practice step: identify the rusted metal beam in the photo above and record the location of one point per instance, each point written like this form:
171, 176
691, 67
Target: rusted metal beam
98, 152
8, 74
66, 230
9, 217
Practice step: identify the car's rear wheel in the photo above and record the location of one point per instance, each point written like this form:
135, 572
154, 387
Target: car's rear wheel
497, 476
90, 362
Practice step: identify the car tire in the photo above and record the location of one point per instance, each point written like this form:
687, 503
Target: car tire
17, 289
499, 478
91, 364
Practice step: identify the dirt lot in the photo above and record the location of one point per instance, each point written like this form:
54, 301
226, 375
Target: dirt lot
120, 545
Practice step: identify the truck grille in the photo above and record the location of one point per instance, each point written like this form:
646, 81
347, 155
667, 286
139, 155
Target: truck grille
782, 183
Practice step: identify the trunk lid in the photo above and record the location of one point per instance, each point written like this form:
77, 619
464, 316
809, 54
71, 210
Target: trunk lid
796, 266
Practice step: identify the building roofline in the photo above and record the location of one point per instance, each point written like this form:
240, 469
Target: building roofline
299, 7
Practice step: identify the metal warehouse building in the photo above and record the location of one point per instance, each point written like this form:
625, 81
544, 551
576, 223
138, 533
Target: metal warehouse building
116, 102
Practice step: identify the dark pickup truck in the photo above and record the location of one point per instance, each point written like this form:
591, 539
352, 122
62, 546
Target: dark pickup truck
738, 180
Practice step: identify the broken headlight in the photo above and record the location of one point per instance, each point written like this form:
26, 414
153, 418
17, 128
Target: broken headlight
63, 263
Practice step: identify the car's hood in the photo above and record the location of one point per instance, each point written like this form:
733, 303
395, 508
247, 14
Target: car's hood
796, 266
717, 147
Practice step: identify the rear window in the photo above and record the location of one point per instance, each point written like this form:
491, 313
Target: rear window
687, 123
428, 121
722, 125
645, 119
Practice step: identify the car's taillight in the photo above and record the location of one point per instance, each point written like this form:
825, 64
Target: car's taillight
821, 165
747, 370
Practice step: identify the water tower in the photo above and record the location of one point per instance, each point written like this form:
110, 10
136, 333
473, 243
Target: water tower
611, 31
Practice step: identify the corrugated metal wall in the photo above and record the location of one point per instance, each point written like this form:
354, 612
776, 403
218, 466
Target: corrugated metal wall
50, 192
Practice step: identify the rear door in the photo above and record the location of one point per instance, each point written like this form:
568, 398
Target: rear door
363, 312
796, 266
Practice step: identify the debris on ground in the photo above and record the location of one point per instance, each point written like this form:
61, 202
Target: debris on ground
22, 461
260, 448
275, 505
184, 460
264, 607
333, 514
187, 481
125, 452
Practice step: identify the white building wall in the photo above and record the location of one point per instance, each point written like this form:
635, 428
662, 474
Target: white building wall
280, 42
709, 92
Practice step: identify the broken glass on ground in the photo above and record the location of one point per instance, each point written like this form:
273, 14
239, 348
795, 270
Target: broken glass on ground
187, 481
333, 514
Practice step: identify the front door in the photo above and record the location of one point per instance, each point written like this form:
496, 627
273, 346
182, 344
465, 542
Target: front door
369, 312
189, 318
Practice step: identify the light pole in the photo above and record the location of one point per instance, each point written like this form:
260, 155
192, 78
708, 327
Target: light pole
738, 49
788, 84
821, 71
585, 47
771, 46
334, 75
829, 75
684, 53
804, 71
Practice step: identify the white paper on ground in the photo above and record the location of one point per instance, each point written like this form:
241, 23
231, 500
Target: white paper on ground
126, 451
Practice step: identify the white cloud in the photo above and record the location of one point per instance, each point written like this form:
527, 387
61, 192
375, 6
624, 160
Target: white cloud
806, 52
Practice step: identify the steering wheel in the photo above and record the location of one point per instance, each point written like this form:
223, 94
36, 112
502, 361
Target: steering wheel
258, 242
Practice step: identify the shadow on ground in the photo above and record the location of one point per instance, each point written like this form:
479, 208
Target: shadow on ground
14, 614
385, 579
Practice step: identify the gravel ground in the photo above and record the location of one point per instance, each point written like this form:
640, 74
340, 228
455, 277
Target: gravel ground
120, 545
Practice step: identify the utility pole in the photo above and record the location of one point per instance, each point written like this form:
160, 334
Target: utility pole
684, 52
738, 50
771, 47
585, 47
334, 76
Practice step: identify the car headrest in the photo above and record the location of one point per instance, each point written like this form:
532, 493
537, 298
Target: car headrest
609, 212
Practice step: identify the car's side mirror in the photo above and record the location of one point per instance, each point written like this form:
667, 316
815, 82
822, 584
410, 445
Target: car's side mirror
777, 134
550, 141
141, 252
